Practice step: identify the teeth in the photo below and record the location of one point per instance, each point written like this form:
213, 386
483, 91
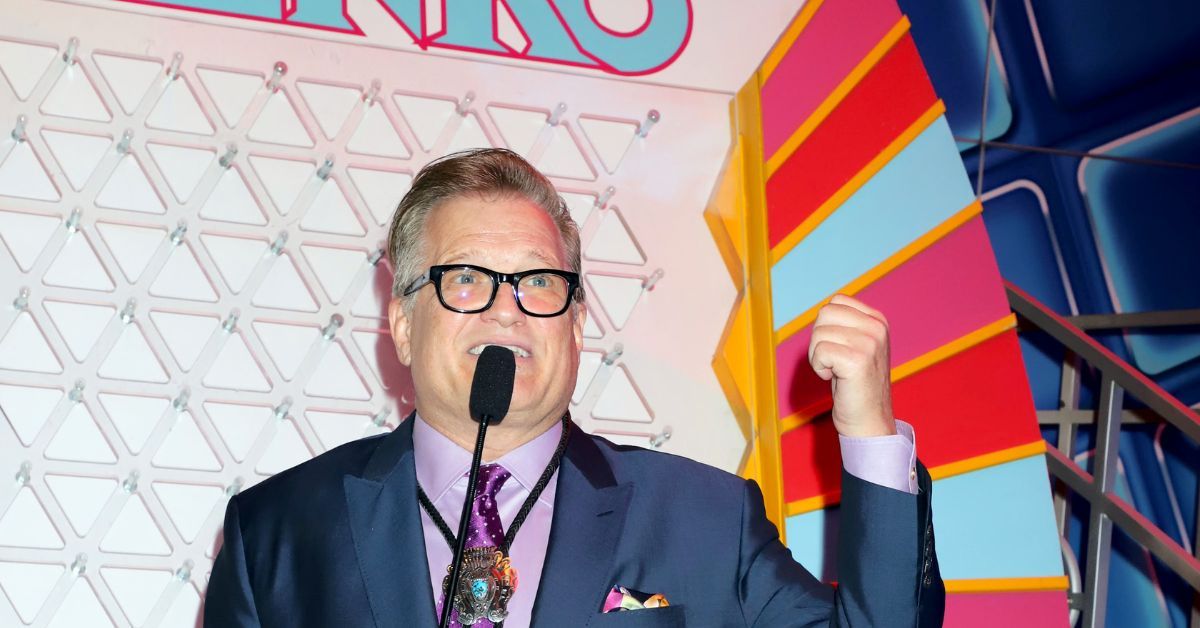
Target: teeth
518, 351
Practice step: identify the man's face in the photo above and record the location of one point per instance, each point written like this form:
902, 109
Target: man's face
507, 234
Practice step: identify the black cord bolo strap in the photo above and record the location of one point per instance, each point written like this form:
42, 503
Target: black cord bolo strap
526, 507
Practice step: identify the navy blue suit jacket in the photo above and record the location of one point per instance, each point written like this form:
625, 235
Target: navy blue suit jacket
337, 541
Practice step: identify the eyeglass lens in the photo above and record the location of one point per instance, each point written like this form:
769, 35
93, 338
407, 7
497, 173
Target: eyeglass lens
470, 289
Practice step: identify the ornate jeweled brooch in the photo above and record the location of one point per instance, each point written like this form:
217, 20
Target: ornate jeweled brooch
486, 584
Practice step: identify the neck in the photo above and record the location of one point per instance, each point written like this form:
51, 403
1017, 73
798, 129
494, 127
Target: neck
502, 437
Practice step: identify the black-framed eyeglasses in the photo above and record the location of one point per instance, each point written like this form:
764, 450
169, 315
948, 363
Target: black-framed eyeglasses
469, 289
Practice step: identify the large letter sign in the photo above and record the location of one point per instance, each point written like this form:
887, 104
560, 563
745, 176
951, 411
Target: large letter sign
556, 31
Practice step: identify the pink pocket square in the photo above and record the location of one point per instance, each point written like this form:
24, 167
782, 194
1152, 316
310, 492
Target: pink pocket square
622, 599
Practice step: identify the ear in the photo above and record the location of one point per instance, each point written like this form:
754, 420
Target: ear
398, 323
580, 317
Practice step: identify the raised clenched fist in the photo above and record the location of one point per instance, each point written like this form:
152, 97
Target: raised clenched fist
849, 348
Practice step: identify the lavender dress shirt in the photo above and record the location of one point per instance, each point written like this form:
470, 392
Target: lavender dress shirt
442, 466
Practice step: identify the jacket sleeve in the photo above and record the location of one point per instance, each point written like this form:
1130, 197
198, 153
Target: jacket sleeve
887, 566
229, 601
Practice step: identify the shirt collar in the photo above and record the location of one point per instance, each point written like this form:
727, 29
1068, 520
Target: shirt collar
440, 462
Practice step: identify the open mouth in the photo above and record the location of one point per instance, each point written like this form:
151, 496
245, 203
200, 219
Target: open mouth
517, 351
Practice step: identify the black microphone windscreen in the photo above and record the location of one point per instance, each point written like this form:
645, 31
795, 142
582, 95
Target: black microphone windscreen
492, 386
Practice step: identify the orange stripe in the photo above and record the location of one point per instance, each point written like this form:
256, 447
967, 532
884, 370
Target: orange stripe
885, 267
913, 366
992, 459
781, 48
860, 179
816, 502
980, 585
967, 465
837, 95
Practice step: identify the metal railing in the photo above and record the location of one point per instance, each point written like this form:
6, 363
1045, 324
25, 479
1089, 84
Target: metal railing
1106, 508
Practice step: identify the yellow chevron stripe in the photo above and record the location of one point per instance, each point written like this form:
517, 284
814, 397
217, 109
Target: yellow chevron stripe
981, 585
992, 459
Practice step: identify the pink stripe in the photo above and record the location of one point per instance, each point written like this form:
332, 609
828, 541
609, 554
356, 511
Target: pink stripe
1028, 609
840, 34
947, 291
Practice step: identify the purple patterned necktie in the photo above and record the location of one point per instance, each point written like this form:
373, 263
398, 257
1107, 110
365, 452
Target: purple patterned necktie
484, 527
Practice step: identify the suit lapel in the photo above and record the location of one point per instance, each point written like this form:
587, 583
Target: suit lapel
589, 514
386, 526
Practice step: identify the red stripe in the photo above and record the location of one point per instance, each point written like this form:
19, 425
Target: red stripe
887, 101
971, 404
923, 314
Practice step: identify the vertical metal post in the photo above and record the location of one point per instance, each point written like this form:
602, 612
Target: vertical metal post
1099, 548
1068, 400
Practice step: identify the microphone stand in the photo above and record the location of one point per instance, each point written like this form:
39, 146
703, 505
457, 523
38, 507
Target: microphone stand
461, 540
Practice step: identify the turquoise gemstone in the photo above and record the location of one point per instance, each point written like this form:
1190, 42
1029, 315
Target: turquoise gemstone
479, 588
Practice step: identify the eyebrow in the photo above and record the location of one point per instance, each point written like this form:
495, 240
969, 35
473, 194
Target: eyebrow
462, 256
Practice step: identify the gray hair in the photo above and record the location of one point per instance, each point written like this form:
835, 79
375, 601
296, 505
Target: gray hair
476, 171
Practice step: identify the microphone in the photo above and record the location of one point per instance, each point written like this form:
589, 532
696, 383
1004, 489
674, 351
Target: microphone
492, 387
491, 394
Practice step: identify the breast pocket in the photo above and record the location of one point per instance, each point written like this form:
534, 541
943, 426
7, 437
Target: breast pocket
665, 617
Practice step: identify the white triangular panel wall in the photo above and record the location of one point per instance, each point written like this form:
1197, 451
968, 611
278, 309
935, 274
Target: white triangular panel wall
184, 271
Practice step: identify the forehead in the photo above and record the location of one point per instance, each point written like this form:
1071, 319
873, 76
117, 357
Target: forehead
503, 226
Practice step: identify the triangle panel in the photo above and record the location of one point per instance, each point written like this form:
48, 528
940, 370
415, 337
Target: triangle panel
128, 77
610, 139
80, 439
235, 257
23, 64
74, 96
23, 175
128, 188
77, 153
177, 110
24, 347
131, 245
278, 123
132, 359
182, 277
232, 201
181, 166
231, 92
235, 368
376, 135
284, 289
135, 416
25, 235
79, 324
184, 334
27, 408
135, 532
329, 104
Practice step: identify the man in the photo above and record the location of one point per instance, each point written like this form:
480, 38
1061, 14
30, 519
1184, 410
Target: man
344, 540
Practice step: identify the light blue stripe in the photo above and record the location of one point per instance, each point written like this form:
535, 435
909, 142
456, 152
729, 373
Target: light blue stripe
812, 537
916, 191
992, 523
997, 523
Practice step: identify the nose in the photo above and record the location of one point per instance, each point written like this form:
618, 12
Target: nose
504, 310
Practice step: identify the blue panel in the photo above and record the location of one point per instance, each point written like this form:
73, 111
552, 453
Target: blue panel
916, 191
812, 537
997, 523
1146, 224
946, 34
1105, 46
